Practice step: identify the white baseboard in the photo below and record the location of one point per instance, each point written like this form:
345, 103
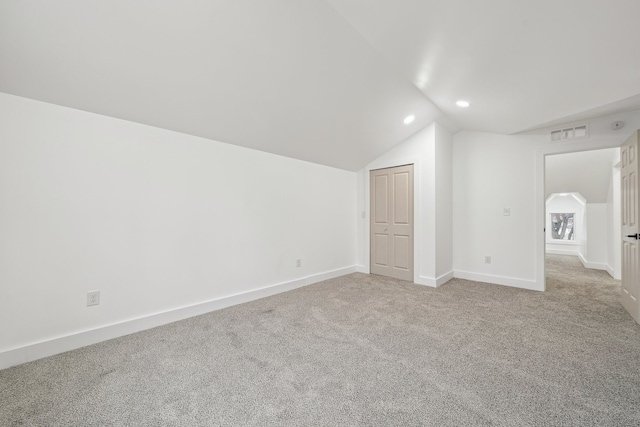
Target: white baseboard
562, 252
593, 265
362, 269
582, 260
611, 271
434, 283
319, 277
76, 340
498, 280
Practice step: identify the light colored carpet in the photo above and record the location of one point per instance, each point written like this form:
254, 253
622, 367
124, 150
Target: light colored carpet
359, 350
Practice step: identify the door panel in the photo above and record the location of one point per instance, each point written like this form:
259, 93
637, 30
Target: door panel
401, 198
381, 199
630, 285
382, 250
401, 255
625, 208
392, 222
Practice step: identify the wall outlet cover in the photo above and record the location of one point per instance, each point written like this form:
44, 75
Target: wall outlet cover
93, 298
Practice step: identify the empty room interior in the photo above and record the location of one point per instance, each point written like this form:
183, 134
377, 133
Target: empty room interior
327, 212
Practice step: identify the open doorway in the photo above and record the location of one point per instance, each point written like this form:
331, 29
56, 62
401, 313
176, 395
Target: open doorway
582, 220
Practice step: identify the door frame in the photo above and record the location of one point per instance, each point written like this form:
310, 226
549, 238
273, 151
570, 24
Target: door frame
416, 209
540, 214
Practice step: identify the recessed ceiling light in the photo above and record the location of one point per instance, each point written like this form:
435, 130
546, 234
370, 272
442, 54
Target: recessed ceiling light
463, 104
409, 119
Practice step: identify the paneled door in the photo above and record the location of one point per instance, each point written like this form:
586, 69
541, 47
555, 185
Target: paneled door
630, 288
392, 222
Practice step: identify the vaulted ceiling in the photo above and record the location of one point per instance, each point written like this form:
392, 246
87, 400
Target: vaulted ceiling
327, 81
586, 172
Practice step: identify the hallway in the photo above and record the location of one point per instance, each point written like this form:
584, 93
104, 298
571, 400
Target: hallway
568, 280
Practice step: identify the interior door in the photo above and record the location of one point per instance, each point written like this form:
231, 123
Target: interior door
630, 288
392, 222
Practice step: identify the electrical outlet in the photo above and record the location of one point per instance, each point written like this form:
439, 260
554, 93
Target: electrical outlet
487, 259
298, 262
93, 298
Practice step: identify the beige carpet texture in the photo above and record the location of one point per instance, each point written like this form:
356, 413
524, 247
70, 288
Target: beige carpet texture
359, 350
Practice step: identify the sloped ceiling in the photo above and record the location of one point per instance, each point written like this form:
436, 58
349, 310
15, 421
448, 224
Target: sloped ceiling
520, 64
587, 173
324, 81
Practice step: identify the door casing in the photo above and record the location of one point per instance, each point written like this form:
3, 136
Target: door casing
540, 212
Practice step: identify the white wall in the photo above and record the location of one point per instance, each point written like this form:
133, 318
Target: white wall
154, 219
567, 203
601, 135
444, 201
597, 236
430, 151
492, 172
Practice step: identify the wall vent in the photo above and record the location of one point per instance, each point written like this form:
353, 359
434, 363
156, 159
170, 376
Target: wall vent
575, 132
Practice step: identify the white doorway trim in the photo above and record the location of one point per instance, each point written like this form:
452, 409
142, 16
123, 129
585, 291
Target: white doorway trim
417, 191
540, 218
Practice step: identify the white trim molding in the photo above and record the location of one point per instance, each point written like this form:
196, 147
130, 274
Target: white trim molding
532, 285
563, 252
593, 265
434, 283
60, 344
541, 153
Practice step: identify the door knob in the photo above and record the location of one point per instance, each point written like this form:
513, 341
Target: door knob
635, 236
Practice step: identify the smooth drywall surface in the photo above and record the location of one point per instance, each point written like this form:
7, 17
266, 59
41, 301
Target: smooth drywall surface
419, 150
492, 173
151, 218
362, 222
586, 172
444, 200
597, 235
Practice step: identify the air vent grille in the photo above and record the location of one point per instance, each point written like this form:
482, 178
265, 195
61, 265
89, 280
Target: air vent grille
575, 132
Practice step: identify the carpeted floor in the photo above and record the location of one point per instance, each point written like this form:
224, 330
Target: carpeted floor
359, 350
